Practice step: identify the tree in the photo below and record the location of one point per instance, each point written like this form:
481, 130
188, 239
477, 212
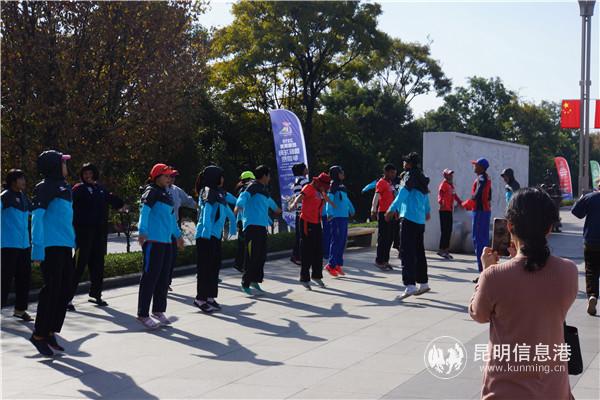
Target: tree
408, 70
111, 83
294, 50
482, 108
487, 108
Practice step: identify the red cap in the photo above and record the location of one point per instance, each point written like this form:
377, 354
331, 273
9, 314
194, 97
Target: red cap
323, 180
175, 172
160, 169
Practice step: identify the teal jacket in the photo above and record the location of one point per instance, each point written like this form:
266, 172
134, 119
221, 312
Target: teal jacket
412, 205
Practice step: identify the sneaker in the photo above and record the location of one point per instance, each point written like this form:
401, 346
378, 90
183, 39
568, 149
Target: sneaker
340, 271
381, 266
70, 307
423, 288
204, 306
162, 318
247, 290
170, 289
592, 301
306, 285
320, 283
148, 323
389, 267
256, 286
296, 261
54, 344
332, 271
98, 301
409, 291
213, 303
449, 256
23, 315
219, 280
42, 346
441, 254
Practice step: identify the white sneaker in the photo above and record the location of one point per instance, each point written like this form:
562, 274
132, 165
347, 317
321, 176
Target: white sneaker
148, 322
409, 291
423, 288
592, 301
162, 318
320, 283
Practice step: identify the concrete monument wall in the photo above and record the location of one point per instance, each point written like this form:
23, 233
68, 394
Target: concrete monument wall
455, 151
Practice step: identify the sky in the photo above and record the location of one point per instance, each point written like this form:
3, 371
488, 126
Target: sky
534, 47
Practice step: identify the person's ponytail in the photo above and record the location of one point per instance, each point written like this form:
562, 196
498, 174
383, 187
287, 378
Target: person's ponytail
532, 213
537, 252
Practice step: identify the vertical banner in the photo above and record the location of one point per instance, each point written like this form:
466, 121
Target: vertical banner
564, 178
595, 169
290, 149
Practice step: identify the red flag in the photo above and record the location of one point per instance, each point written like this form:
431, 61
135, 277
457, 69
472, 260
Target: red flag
597, 119
569, 114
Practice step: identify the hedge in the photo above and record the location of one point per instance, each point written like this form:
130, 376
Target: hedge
118, 264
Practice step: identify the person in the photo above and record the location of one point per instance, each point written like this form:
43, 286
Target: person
300, 172
90, 219
481, 207
180, 199
245, 179
16, 248
214, 210
157, 227
338, 220
511, 183
383, 198
255, 204
313, 197
412, 205
396, 184
588, 207
525, 300
53, 240
446, 198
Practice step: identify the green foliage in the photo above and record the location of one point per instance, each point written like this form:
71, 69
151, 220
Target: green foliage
487, 108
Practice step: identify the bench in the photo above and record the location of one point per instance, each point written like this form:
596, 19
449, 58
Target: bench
362, 237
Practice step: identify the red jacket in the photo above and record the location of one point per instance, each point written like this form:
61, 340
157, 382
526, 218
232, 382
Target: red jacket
447, 196
481, 194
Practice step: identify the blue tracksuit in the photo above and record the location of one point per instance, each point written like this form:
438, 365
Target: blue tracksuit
15, 220
158, 222
211, 219
338, 225
326, 239
52, 217
256, 203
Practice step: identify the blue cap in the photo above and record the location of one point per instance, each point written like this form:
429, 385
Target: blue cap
483, 162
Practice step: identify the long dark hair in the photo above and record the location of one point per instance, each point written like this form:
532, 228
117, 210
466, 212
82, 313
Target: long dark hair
11, 177
532, 213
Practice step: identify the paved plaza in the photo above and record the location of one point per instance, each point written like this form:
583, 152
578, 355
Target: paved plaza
351, 340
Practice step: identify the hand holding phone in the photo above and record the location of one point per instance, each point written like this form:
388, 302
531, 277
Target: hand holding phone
501, 239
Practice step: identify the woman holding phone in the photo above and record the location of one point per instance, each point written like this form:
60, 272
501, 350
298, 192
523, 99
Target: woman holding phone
526, 300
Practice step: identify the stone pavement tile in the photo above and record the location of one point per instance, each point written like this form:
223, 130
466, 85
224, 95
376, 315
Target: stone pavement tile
171, 388
589, 379
329, 357
363, 343
289, 375
583, 393
241, 391
371, 382
324, 392
396, 363
423, 386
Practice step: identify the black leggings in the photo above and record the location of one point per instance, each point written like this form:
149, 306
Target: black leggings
446, 229
311, 251
57, 270
16, 264
208, 261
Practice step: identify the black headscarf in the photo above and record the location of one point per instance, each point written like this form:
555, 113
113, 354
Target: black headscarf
336, 184
211, 178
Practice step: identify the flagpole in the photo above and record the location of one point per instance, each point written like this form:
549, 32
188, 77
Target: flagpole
586, 10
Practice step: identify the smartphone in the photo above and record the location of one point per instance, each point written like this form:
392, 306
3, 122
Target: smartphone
501, 237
